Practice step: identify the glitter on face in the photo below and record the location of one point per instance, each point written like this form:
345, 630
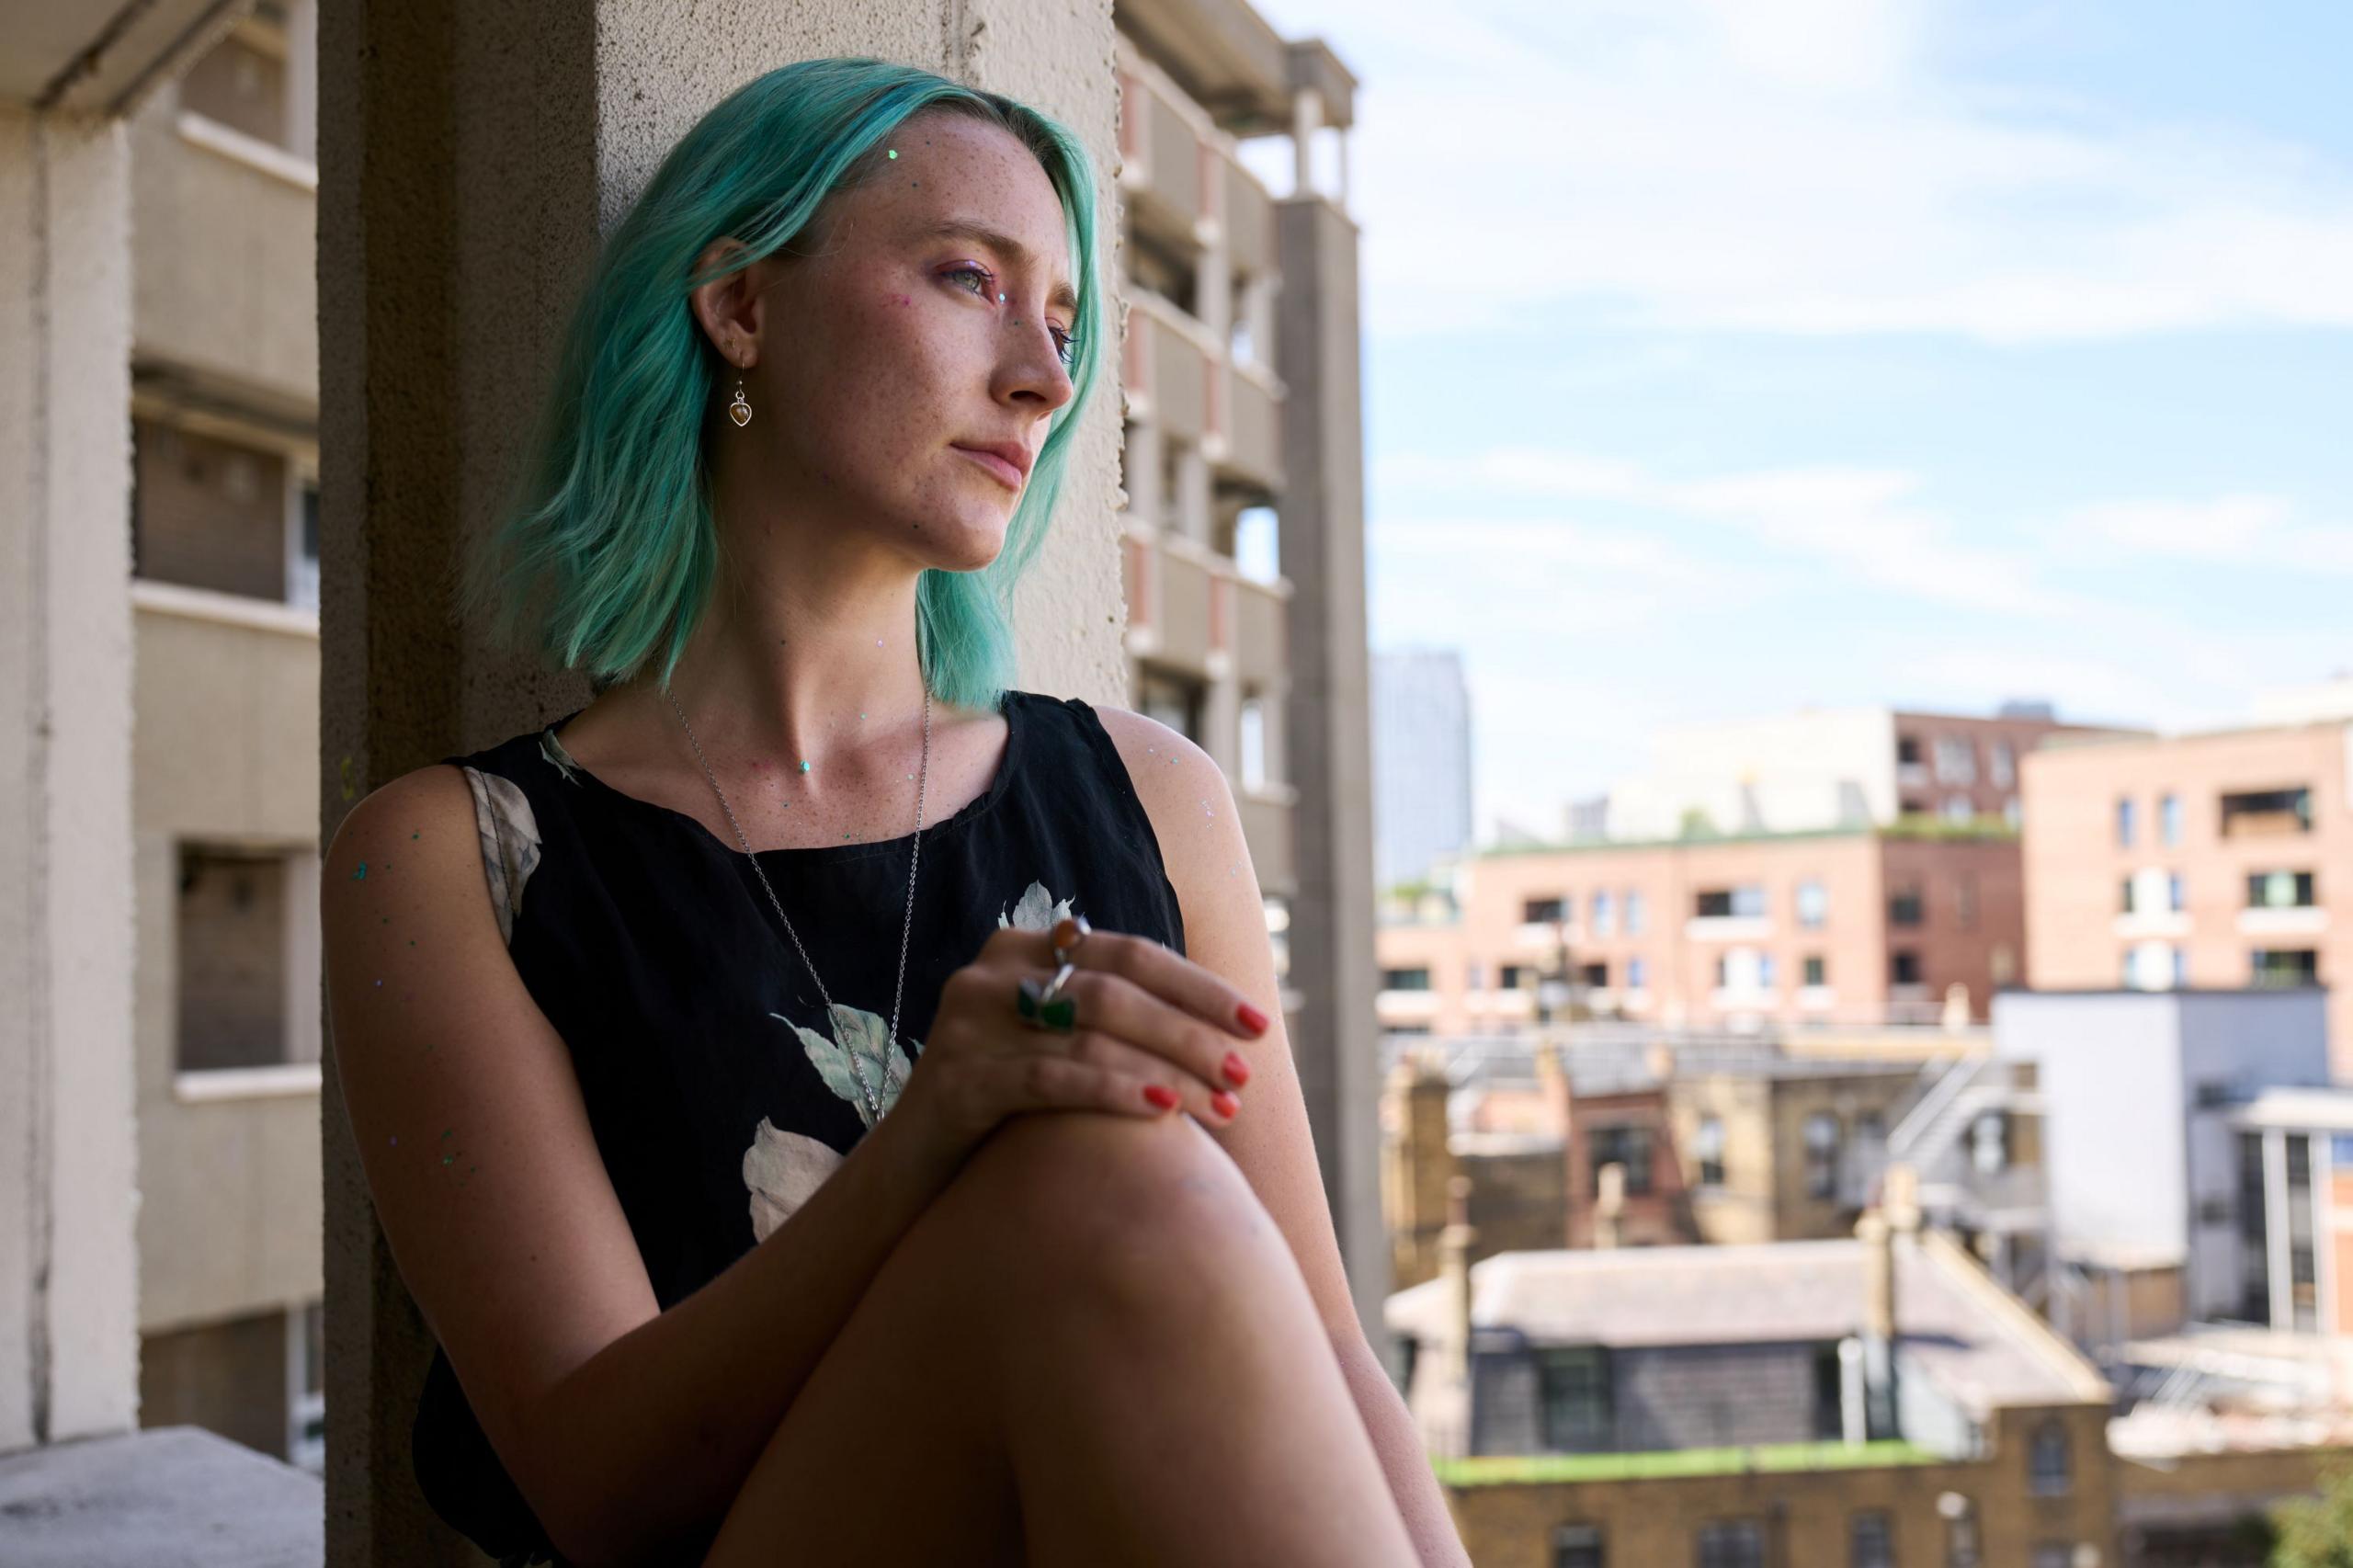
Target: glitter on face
895, 152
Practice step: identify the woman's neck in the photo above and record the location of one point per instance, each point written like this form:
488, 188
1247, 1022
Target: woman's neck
801, 676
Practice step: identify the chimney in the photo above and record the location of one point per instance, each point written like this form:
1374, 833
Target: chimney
1416, 1163
1609, 1207
1659, 1060
1956, 1015
1874, 1367
1552, 1087
1879, 1276
1454, 1266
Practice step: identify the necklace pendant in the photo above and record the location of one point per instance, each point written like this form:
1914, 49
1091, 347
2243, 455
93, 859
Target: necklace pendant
805, 767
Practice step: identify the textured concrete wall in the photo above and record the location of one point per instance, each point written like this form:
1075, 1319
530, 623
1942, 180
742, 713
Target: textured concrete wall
68, 1267
1328, 728
470, 155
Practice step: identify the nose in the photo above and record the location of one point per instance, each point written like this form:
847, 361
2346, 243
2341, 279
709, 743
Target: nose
1035, 370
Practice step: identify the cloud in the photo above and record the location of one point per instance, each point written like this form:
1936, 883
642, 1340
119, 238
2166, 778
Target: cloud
2257, 531
1807, 168
1863, 521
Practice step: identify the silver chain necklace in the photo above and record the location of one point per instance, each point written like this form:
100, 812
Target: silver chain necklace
873, 1098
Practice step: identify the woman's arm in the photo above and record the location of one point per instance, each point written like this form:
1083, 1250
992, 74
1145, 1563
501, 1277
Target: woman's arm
1202, 843
626, 1427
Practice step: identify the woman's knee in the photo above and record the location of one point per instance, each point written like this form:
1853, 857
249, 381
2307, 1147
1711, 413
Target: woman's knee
1087, 1201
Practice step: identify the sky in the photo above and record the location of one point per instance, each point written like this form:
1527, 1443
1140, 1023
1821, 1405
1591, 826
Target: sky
1726, 358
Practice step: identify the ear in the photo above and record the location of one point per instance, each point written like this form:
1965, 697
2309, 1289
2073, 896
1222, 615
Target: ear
729, 308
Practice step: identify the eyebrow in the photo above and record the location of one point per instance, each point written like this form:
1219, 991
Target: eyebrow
1062, 297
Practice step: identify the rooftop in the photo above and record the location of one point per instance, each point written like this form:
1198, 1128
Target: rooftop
1510, 1470
1962, 1330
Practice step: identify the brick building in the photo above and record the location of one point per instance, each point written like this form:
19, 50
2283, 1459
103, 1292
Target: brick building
1855, 927
2214, 860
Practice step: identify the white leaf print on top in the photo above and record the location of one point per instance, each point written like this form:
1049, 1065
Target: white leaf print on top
781, 1169
1036, 912
509, 833
856, 1029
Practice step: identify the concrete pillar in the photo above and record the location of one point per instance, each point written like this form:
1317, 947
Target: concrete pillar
1327, 728
470, 154
69, 1266
1147, 504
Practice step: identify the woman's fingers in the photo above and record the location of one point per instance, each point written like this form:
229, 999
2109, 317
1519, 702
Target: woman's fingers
1094, 1072
1116, 1005
1165, 974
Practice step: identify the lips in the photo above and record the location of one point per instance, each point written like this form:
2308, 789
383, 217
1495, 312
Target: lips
1009, 463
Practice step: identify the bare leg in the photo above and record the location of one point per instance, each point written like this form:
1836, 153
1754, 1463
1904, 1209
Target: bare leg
1095, 1347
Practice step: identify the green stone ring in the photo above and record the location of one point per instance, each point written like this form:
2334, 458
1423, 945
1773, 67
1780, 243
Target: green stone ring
1039, 1002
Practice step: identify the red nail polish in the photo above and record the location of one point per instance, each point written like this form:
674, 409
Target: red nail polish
1252, 1019
1237, 1071
1161, 1096
1225, 1104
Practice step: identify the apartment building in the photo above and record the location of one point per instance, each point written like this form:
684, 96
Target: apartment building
1725, 1143
225, 658
2215, 860
1243, 544
1828, 768
1869, 1401
1858, 926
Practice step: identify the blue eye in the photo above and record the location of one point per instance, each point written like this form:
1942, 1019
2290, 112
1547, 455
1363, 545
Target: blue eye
1065, 343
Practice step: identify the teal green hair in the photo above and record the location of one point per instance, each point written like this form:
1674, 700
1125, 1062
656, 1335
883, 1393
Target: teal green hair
609, 554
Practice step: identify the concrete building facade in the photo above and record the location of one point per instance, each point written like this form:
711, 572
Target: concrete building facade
1819, 769
2213, 860
1862, 927
1421, 761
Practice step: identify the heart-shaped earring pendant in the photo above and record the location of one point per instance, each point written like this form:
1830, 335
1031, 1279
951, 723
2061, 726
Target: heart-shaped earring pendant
740, 411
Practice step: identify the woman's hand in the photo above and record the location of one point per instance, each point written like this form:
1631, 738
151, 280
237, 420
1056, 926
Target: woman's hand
1154, 1031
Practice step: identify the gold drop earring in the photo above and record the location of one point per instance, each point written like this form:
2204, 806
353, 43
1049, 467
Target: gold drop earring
739, 411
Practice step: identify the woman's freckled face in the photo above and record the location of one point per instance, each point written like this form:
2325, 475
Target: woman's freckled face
872, 388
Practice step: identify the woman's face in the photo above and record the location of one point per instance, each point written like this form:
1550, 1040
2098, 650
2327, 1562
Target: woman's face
927, 318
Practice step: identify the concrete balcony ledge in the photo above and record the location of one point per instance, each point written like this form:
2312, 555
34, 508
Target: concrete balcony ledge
177, 1495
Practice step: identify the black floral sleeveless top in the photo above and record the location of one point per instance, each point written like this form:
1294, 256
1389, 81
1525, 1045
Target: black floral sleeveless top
720, 1091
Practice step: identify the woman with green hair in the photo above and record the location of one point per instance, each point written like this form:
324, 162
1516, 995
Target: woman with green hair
802, 1088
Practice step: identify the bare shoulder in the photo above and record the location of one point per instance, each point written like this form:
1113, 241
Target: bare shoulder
1182, 789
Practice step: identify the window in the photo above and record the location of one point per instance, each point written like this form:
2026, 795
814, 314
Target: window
2002, 764
1637, 974
1576, 1384
1765, 972
1907, 751
1869, 1542
2285, 967
1813, 906
2173, 892
1475, 974
211, 513
2170, 820
238, 940
1743, 902
2124, 896
1627, 1146
1960, 808
2124, 822
1173, 700
1723, 971
2263, 813
2180, 966
1733, 1543
1254, 742
2014, 814
1708, 1149
1956, 759
2254, 1239
1604, 917
1578, 1546
2049, 1473
1960, 1531
1542, 910
1594, 975
1907, 906
1821, 1137
1416, 979
2303, 1288
1817, 970
306, 1361
1514, 976
1638, 912
1903, 968
2279, 889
